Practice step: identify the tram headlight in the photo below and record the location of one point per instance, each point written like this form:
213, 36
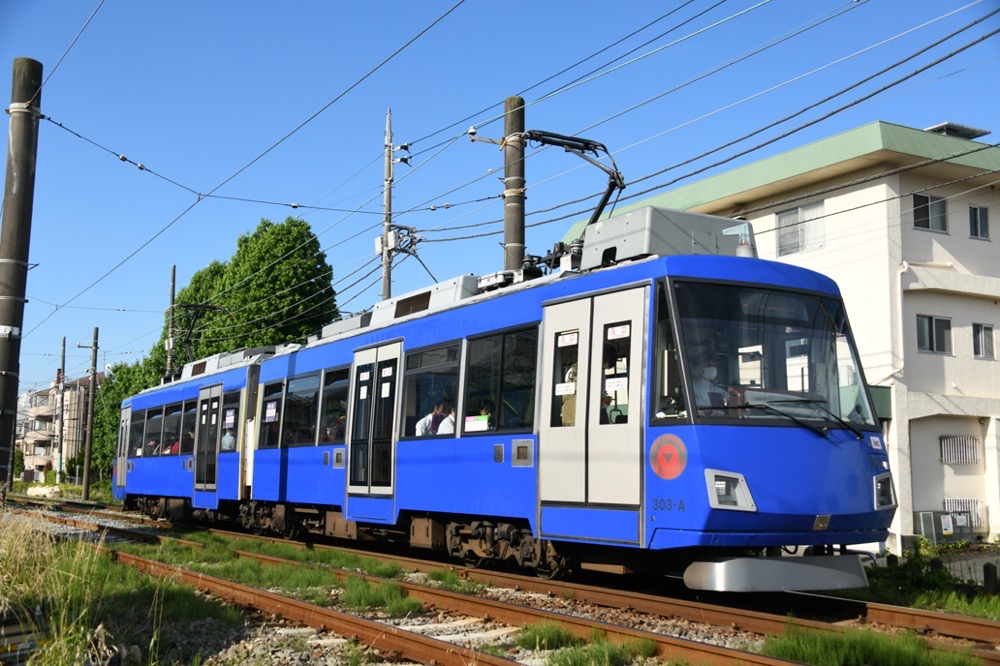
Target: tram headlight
885, 494
728, 490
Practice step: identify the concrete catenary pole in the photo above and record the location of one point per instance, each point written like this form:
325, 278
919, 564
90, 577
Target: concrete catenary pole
15, 236
513, 183
62, 412
89, 442
170, 326
387, 206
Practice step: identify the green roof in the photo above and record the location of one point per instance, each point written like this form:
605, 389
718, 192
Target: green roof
851, 145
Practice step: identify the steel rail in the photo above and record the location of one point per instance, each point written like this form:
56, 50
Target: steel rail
955, 626
383, 637
667, 647
974, 629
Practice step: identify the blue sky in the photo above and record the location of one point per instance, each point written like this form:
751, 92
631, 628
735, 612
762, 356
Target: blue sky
196, 91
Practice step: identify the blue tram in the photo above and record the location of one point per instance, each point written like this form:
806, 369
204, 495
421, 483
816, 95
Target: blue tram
663, 403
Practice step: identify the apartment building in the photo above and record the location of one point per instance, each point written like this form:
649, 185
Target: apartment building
49, 421
899, 217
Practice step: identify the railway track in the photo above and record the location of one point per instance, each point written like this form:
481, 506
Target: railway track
984, 634
976, 635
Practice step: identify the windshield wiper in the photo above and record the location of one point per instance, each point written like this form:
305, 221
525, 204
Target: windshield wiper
816, 429
820, 404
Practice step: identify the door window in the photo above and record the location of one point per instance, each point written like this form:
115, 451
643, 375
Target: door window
615, 373
564, 386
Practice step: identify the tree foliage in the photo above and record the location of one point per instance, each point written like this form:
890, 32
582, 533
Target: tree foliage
276, 288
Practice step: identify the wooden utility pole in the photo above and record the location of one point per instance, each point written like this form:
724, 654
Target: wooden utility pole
90, 416
15, 237
513, 183
387, 206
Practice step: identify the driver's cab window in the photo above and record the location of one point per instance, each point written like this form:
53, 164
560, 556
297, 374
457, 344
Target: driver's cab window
668, 399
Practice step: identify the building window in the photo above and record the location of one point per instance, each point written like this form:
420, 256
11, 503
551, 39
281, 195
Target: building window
930, 213
982, 341
959, 450
801, 229
979, 222
934, 334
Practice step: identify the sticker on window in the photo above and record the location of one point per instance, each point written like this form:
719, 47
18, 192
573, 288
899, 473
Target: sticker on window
619, 332
271, 411
480, 423
386, 389
230, 418
387, 371
616, 384
568, 339
364, 376
567, 388
363, 393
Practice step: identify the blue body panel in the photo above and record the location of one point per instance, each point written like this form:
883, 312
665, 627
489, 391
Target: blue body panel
228, 470
311, 478
460, 476
165, 476
205, 500
368, 509
787, 470
594, 525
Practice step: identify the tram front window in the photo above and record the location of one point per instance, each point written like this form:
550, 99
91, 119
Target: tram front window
758, 353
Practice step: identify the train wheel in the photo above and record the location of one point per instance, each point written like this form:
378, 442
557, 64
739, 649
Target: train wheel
471, 560
552, 569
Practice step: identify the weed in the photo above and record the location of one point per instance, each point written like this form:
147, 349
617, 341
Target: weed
359, 594
545, 636
860, 647
449, 580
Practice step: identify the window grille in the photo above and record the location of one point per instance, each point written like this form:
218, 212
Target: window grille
959, 449
974, 507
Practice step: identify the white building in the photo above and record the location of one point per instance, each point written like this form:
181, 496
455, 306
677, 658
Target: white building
899, 217
54, 427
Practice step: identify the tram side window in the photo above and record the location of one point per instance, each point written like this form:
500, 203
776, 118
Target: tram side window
430, 390
154, 432
230, 421
270, 416
668, 401
615, 373
500, 382
188, 422
172, 430
301, 411
136, 433
333, 413
565, 382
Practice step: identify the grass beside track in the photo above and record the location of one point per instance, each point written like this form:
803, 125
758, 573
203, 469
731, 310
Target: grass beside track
318, 585
89, 604
916, 582
860, 647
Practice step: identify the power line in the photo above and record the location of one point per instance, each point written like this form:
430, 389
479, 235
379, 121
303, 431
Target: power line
66, 52
252, 162
837, 94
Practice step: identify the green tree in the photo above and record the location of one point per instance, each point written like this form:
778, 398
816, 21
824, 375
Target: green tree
122, 381
276, 288
18, 462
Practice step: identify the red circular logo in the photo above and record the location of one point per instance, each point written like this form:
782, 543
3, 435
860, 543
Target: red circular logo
668, 456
